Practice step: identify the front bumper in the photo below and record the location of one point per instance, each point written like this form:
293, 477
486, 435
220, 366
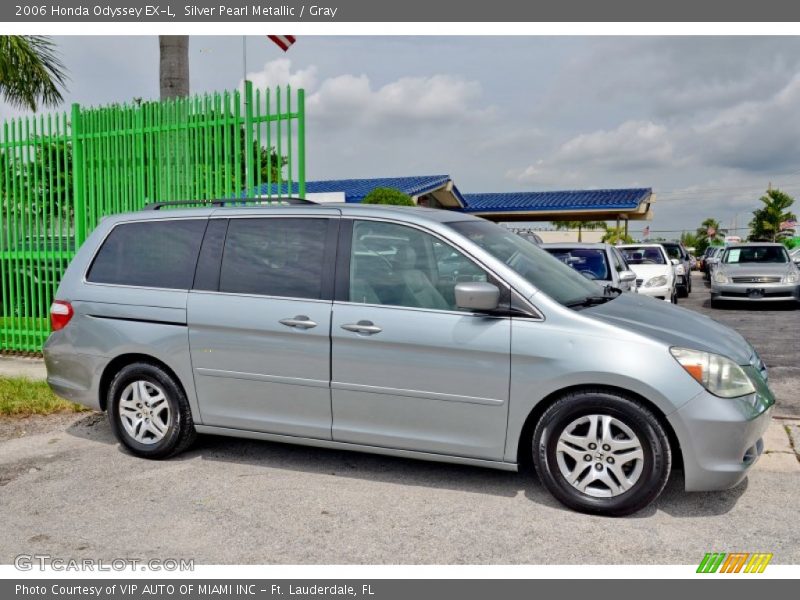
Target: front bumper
721, 438
764, 292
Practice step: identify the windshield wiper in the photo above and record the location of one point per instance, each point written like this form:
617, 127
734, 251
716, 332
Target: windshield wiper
589, 301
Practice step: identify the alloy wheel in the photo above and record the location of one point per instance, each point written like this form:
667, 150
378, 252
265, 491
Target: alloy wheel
600, 456
144, 412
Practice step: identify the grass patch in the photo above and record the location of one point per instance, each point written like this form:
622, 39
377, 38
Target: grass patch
21, 397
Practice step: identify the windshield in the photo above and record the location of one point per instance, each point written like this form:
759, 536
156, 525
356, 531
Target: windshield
756, 254
643, 255
673, 251
543, 271
589, 262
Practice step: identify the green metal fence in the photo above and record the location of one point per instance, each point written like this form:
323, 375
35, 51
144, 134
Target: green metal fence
61, 173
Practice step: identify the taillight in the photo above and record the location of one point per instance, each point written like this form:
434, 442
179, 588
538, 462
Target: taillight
60, 314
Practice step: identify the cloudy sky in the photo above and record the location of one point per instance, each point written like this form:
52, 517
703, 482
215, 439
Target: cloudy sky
707, 122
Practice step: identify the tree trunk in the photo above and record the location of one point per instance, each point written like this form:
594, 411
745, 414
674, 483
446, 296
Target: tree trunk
174, 66
579, 234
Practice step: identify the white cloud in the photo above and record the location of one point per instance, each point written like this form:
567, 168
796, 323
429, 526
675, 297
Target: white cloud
631, 146
349, 100
279, 73
762, 135
352, 99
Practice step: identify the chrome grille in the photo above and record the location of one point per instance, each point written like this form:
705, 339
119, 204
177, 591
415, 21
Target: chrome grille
756, 279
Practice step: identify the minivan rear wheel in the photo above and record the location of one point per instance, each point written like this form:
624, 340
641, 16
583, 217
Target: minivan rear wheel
149, 412
601, 453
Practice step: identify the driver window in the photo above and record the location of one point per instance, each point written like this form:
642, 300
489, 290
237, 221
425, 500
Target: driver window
397, 265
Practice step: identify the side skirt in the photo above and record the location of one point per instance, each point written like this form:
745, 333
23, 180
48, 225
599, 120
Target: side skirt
290, 439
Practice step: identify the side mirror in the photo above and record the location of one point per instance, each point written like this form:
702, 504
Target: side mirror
675, 261
627, 276
477, 295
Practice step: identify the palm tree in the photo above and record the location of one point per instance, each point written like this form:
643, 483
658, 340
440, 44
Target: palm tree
579, 225
704, 238
31, 72
766, 223
173, 70
690, 240
616, 234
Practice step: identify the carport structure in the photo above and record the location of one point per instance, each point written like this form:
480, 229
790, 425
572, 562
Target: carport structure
440, 191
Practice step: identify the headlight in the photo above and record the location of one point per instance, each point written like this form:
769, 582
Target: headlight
656, 281
720, 277
719, 375
791, 277
680, 270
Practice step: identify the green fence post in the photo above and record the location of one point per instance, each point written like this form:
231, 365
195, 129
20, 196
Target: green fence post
77, 178
248, 138
301, 142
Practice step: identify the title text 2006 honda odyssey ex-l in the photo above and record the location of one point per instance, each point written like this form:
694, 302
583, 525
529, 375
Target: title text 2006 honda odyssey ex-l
403, 331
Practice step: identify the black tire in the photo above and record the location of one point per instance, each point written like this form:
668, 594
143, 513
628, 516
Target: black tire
683, 292
180, 433
656, 462
715, 303
674, 298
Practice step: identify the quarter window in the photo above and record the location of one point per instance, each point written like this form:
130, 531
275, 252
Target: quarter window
160, 254
274, 257
401, 266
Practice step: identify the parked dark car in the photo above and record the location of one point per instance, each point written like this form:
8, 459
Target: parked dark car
599, 262
683, 270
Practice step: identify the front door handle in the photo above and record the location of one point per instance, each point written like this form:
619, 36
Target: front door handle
366, 327
299, 322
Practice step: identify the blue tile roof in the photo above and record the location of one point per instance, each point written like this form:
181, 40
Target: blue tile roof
355, 190
561, 200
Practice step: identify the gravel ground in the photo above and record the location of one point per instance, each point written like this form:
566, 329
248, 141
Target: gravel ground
67, 489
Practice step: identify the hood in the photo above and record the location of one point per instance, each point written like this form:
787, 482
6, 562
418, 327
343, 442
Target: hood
647, 271
672, 325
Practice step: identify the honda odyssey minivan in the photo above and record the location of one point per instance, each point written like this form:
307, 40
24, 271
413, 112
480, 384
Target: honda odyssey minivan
401, 331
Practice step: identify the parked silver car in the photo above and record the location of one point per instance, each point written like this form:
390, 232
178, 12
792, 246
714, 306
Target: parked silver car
600, 262
755, 272
351, 327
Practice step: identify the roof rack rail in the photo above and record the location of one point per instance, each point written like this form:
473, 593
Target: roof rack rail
234, 201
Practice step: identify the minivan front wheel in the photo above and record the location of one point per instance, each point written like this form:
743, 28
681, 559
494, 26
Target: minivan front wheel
148, 411
601, 453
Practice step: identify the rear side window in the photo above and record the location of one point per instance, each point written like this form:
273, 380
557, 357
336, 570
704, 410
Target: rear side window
274, 257
161, 254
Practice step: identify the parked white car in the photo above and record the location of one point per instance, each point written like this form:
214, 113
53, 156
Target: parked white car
655, 272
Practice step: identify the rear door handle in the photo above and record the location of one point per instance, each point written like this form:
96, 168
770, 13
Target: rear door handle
366, 327
299, 322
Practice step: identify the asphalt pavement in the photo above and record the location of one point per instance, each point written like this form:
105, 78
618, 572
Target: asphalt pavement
774, 331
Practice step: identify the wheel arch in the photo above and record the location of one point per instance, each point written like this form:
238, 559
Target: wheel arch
524, 457
123, 360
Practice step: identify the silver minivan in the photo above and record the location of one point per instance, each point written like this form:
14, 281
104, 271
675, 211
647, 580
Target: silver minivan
402, 331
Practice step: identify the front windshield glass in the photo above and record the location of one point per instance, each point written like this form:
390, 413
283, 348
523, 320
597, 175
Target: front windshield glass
673, 251
756, 254
546, 273
589, 262
643, 255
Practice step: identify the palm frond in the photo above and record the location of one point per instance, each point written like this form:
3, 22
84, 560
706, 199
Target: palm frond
31, 71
